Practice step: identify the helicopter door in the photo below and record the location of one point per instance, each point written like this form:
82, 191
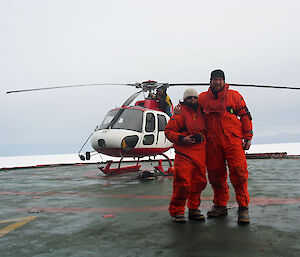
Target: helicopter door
150, 136
162, 123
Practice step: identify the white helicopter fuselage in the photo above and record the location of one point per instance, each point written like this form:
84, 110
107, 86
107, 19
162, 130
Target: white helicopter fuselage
137, 132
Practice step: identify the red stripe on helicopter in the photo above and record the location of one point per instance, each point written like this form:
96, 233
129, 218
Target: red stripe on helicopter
136, 152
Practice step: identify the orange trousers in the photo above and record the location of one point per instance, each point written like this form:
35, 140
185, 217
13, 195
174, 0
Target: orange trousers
188, 181
222, 150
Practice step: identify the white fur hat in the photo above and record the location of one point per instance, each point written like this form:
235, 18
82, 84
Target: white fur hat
190, 92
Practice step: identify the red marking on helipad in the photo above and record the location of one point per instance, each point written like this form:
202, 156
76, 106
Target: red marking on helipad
102, 210
253, 200
17, 193
109, 216
87, 195
263, 201
273, 200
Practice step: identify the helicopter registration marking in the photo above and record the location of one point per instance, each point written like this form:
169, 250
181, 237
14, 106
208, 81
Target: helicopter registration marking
18, 222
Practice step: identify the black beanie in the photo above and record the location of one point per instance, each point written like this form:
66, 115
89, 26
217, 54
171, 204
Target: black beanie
217, 73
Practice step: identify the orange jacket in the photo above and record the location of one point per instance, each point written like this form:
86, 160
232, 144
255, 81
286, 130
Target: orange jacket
229, 111
187, 123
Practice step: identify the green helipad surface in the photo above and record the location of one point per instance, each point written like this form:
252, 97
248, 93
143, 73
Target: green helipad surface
77, 211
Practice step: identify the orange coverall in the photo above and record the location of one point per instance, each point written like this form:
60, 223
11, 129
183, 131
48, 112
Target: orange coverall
190, 173
224, 132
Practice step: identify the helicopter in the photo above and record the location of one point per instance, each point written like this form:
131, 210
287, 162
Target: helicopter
133, 131
136, 130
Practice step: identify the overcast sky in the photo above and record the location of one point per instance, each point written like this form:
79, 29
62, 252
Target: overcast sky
59, 42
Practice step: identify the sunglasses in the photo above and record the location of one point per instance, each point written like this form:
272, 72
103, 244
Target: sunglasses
191, 97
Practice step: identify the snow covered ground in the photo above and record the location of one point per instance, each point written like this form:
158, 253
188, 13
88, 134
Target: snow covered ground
33, 160
290, 148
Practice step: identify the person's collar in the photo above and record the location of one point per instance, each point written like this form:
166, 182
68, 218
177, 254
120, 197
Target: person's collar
193, 106
217, 93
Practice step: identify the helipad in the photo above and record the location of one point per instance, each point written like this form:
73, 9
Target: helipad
77, 211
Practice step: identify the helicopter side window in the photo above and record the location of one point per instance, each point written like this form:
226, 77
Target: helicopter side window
150, 122
162, 122
148, 139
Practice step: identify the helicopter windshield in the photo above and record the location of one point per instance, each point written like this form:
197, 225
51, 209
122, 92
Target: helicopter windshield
130, 119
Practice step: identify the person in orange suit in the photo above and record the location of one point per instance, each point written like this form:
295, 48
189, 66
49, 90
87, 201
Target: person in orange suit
186, 131
229, 133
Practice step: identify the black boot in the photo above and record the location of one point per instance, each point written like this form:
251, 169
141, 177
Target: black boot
217, 211
179, 218
195, 214
243, 213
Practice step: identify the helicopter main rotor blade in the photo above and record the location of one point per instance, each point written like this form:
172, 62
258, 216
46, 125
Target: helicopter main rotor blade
80, 85
139, 85
264, 86
188, 84
235, 85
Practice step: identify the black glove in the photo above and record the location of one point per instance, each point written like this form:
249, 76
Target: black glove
198, 138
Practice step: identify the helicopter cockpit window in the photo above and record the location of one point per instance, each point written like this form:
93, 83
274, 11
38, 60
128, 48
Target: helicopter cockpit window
150, 122
108, 118
130, 119
162, 122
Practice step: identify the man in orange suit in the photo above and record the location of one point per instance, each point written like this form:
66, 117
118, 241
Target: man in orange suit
228, 133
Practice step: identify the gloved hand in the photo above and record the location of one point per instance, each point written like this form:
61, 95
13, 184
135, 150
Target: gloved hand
246, 144
188, 140
177, 109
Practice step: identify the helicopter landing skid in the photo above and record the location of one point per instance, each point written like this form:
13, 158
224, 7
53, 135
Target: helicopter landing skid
160, 168
120, 170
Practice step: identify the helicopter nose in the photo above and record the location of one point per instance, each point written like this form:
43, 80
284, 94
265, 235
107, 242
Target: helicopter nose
101, 143
129, 142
